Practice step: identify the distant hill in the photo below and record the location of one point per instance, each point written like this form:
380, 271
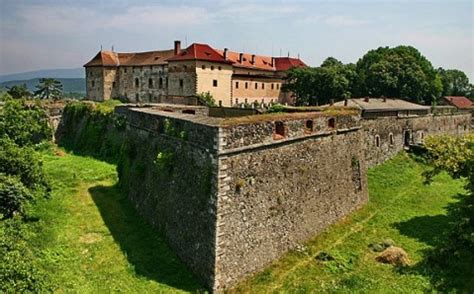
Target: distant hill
77, 85
63, 73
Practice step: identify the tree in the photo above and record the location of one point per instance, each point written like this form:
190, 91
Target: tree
455, 82
318, 85
49, 89
206, 99
19, 91
398, 72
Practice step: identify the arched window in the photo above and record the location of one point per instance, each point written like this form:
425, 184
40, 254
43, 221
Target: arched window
332, 123
377, 140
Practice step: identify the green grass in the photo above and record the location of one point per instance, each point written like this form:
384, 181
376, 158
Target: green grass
90, 239
401, 207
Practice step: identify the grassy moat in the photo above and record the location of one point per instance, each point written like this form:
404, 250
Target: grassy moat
90, 239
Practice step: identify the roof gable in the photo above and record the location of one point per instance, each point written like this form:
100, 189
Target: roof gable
199, 52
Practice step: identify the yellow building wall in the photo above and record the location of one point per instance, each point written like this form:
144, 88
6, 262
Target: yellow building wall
209, 73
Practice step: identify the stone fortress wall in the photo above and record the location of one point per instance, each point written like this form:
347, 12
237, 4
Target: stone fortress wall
239, 192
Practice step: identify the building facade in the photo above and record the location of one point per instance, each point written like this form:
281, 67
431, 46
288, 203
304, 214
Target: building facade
231, 78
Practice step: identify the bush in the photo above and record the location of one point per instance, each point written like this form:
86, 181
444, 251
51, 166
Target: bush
206, 99
24, 122
14, 196
24, 164
18, 270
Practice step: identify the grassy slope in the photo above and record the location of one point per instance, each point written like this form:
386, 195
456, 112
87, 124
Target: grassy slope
91, 240
402, 208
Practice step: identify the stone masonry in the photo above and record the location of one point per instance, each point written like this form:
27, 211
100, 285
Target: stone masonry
234, 194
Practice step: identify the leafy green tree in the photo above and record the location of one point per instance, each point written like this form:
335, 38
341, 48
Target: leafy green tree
19, 91
24, 123
206, 99
455, 82
398, 72
49, 89
318, 85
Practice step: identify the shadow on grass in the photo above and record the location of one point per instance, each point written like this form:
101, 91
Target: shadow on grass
144, 248
449, 268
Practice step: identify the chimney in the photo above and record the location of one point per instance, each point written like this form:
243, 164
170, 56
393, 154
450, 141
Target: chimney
273, 61
241, 57
253, 58
366, 99
345, 102
177, 47
225, 53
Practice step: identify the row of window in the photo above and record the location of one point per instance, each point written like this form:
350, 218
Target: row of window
211, 67
246, 85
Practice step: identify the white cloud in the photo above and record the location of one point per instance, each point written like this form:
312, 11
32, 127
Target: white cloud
345, 21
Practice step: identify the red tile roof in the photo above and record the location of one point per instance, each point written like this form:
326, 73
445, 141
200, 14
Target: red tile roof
195, 51
285, 63
109, 58
460, 102
199, 52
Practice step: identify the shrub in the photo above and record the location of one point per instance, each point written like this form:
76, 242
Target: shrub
206, 99
24, 122
18, 270
24, 164
14, 196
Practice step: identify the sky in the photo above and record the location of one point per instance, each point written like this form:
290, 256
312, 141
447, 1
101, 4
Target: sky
44, 34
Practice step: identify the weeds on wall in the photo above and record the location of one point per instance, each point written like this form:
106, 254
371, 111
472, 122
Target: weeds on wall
92, 129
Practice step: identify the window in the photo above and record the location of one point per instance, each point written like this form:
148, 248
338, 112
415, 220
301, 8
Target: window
236, 85
150, 83
212, 67
236, 100
256, 86
246, 101
390, 138
220, 103
377, 140
185, 67
214, 83
278, 86
181, 83
272, 86
167, 82
203, 66
219, 68
125, 70
279, 130
422, 137
189, 111
113, 84
309, 125
332, 123
137, 98
92, 84
137, 83
263, 85
246, 85
160, 83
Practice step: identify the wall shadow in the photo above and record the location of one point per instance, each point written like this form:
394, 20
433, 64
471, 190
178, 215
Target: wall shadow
143, 246
450, 269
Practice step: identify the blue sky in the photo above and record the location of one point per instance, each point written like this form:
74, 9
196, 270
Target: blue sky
63, 34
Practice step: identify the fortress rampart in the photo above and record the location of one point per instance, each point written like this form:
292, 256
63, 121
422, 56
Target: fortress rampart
233, 194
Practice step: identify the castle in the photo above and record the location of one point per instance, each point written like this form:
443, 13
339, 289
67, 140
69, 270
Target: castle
232, 78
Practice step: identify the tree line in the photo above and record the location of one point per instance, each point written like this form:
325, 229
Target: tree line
400, 72
47, 88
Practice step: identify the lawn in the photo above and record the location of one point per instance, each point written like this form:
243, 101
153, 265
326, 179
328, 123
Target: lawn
89, 238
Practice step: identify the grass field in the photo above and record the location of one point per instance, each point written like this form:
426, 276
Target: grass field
90, 239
